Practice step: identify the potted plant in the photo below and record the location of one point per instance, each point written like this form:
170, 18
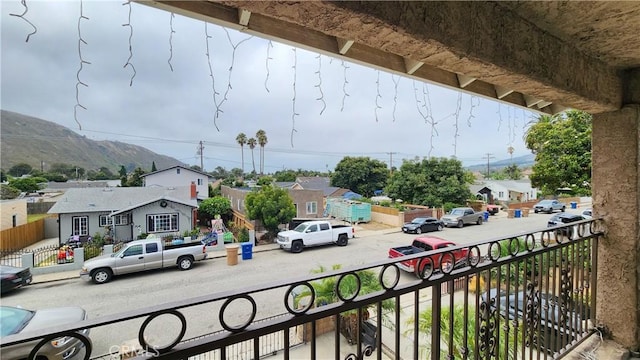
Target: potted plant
326, 293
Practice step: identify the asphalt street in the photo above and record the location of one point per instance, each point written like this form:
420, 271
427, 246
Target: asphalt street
214, 275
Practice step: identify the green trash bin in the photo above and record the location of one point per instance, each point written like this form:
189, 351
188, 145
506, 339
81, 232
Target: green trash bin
227, 237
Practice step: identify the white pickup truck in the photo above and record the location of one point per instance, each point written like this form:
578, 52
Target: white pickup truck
314, 233
142, 255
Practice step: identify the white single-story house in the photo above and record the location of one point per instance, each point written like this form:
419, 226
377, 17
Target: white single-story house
505, 190
179, 176
126, 212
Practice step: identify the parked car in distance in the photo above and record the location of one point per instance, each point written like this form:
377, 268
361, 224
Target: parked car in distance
314, 233
564, 218
493, 209
587, 213
462, 216
425, 244
142, 255
15, 320
423, 224
549, 206
14, 277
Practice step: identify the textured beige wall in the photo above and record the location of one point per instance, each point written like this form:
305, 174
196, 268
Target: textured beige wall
10, 208
616, 197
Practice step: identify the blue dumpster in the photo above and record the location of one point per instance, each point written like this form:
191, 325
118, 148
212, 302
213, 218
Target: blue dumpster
518, 213
574, 205
486, 216
247, 250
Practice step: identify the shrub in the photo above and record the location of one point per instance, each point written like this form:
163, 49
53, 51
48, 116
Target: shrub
243, 235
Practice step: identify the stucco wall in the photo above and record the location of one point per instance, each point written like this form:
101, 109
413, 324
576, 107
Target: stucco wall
11, 208
616, 197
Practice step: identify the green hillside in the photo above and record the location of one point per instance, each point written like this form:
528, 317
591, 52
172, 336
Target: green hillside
25, 139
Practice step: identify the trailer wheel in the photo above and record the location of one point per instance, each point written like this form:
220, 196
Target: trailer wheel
185, 262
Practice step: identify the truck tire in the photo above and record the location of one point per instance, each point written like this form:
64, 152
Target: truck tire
479, 221
342, 240
185, 262
102, 275
297, 246
460, 223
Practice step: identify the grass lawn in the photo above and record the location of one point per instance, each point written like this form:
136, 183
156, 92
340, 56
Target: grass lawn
36, 217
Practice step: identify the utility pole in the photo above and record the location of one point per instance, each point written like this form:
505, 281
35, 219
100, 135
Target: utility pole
201, 153
390, 162
489, 157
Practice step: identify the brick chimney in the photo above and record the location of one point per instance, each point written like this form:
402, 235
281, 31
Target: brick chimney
194, 193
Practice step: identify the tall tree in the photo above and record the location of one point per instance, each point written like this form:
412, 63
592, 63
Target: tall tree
361, 175
242, 139
271, 205
123, 171
20, 169
431, 182
261, 135
153, 166
252, 145
562, 145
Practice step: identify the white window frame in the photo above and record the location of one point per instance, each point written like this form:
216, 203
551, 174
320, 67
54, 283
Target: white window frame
80, 225
171, 219
121, 219
104, 220
200, 182
312, 207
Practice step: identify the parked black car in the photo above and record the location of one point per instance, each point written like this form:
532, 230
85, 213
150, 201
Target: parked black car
14, 277
565, 219
423, 224
553, 320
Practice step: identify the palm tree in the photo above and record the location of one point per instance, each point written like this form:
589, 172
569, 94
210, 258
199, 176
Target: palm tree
242, 139
252, 145
261, 135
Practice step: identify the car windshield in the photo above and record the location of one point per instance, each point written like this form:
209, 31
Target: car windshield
301, 228
418, 220
545, 202
12, 320
457, 212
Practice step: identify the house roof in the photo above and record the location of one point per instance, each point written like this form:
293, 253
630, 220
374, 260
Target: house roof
319, 183
521, 186
285, 184
177, 166
168, 198
115, 199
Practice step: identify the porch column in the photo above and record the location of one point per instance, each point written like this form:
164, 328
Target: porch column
616, 197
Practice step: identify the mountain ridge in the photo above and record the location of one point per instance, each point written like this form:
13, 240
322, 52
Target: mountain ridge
31, 140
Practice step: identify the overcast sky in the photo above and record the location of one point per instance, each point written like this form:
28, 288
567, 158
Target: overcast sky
361, 112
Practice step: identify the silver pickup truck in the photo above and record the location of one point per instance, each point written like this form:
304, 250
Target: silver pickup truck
142, 255
462, 216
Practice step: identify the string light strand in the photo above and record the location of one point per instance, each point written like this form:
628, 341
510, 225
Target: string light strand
128, 63
82, 62
21, 16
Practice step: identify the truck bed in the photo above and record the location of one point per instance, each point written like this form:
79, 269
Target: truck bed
407, 250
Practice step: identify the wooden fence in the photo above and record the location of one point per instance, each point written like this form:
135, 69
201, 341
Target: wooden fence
22, 236
384, 210
241, 221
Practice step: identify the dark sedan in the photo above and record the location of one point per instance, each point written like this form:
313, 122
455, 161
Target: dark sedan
423, 224
565, 219
14, 277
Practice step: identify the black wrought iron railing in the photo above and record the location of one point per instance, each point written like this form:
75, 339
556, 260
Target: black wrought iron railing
528, 296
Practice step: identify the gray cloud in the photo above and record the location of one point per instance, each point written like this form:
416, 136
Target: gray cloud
170, 112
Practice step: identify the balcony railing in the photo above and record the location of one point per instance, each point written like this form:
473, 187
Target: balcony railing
527, 296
